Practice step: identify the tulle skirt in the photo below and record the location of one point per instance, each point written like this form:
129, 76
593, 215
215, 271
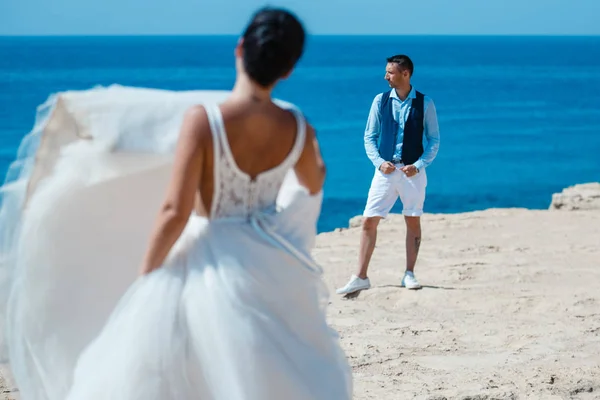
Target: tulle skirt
237, 312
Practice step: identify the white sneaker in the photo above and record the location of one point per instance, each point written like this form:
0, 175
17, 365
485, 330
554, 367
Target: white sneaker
354, 285
410, 282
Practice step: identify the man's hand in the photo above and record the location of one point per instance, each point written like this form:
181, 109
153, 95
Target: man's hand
387, 167
409, 170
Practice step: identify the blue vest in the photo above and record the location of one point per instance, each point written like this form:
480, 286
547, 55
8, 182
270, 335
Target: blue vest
412, 142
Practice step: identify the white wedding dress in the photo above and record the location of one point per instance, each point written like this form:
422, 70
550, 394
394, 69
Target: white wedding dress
237, 312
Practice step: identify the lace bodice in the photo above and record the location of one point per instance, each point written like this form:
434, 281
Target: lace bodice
236, 194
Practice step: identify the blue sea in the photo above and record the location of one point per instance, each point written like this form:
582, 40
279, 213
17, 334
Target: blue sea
519, 116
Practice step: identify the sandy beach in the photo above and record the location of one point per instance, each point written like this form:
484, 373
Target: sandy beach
510, 307
7, 387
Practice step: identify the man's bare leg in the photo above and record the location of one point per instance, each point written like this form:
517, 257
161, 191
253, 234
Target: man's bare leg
413, 241
368, 238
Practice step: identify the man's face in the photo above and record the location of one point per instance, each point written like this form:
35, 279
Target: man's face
395, 77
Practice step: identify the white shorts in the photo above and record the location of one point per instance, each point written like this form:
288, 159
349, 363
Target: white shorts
385, 190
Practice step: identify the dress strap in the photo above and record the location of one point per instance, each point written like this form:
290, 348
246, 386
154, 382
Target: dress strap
298, 146
215, 122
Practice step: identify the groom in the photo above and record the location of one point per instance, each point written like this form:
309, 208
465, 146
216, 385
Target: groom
401, 140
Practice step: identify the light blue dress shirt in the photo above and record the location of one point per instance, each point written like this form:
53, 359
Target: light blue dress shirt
400, 111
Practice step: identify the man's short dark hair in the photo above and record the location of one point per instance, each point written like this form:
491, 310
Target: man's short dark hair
403, 62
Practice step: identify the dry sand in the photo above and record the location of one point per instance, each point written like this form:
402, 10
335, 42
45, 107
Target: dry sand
7, 387
510, 307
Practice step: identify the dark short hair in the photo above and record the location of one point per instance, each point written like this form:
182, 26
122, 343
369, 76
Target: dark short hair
403, 62
273, 44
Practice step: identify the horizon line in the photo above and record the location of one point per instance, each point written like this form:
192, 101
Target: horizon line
84, 35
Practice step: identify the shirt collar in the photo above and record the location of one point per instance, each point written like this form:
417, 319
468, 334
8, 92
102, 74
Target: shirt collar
411, 95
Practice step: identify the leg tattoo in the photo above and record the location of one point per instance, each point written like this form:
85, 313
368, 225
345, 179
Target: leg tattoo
417, 244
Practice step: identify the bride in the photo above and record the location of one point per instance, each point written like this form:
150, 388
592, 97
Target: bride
228, 304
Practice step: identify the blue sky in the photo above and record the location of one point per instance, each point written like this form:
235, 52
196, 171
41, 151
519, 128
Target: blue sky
483, 17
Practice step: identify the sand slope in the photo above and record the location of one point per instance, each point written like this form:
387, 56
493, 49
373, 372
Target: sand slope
511, 307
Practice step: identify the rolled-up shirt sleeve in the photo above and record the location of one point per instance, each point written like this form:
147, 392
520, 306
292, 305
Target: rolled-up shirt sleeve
432, 134
372, 133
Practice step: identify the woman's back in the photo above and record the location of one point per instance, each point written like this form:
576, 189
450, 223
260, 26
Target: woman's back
250, 150
260, 137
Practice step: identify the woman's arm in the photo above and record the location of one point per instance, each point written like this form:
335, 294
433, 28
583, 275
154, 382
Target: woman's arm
310, 168
179, 200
